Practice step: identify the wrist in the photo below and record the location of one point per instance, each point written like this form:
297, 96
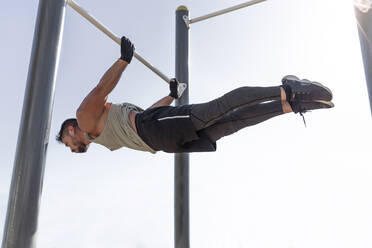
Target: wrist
126, 58
123, 62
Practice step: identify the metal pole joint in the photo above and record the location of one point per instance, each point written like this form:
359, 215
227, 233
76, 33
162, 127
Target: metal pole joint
187, 21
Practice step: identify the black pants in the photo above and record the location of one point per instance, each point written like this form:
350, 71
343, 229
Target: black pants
197, 127
240, 108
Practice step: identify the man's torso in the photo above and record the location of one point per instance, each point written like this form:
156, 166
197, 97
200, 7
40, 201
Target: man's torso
116, 128
101, 122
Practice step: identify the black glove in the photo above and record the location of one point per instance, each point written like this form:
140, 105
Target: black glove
173, 87
127, 49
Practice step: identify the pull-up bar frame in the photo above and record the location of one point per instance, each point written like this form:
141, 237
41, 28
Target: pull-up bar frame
20, 230
24, 197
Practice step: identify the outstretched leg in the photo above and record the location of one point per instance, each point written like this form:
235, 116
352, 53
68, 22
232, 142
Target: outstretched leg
244, 117
251, 115
206, 114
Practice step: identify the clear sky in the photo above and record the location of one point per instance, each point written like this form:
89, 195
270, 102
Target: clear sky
277, 184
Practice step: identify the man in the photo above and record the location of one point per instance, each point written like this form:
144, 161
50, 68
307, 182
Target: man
188, 128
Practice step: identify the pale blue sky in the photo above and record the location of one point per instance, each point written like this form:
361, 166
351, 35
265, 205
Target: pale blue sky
277, 184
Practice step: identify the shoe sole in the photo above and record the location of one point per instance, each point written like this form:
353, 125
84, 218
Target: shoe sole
327, 104
306, 106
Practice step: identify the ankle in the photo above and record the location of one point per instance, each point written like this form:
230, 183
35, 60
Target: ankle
286, 107
285, 92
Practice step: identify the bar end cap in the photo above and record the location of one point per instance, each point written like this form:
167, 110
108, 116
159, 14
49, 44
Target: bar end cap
182, 7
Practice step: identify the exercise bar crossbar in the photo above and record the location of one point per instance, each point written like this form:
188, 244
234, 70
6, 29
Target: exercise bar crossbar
224, 11
115, 38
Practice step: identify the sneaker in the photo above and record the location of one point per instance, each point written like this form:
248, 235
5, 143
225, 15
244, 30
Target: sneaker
305, 106
305, 90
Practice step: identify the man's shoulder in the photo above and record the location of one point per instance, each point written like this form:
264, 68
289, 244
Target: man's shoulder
93, 123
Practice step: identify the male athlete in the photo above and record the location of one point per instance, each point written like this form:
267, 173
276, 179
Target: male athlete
188, 128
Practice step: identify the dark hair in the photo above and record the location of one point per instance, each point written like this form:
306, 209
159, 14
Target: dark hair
65, 124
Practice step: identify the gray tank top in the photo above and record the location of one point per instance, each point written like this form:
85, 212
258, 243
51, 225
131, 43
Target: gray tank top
118, 131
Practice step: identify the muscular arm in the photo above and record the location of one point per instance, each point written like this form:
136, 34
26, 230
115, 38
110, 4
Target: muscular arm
111, 78
93, 105
165, 101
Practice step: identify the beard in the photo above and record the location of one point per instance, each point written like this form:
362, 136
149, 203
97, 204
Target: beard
82, 148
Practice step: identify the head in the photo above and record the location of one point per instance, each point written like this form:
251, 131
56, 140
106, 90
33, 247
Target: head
72, 136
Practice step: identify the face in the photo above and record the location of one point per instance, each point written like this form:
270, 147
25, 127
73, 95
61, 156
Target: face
72, 140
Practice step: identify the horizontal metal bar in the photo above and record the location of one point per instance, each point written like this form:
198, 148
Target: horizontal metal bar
224, 11
115, 38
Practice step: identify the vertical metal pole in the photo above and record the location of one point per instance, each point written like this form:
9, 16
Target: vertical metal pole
26, 186
181, 185
364, 19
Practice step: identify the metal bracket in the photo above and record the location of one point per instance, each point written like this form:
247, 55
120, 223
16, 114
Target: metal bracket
181, 88
187, 21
